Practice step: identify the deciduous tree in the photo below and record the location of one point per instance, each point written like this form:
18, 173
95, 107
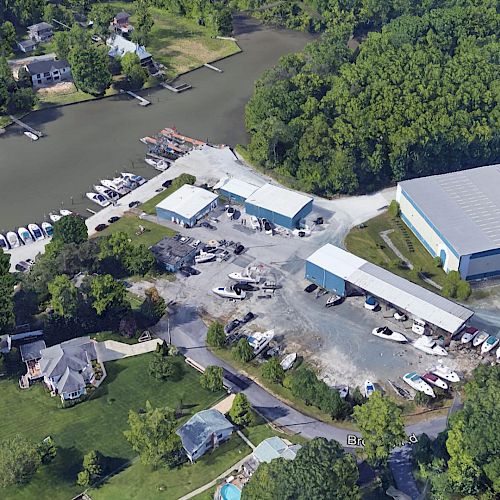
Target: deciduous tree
215, 335
70, 229
19, 460
240, 412
64, 296
211, 378
273, 371
242, 351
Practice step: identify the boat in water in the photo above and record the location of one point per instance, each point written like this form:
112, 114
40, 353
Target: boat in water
343, 390
430, 346
433, 379
48, 229
469, 334
445, 373
229, 292
25, 235
54, 217
369, 388
4, 244
260, 340
288, 361
98, 198
36, 232
107, 192
490, 343
116, 185
479, 338
386, 333
204, 257
31, 135
13, 239
138, 179
160, 165
419, 384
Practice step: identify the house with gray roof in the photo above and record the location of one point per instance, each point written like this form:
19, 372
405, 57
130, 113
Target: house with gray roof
204, 431
67, 367
31, 354
27, 45
40, 32
48, 72
270, 449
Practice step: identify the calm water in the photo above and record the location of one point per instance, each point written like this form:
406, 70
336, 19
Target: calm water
90, 141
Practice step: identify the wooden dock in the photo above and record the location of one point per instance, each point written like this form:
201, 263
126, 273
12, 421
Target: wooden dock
25, 126
142, 101
179, 88
210, 66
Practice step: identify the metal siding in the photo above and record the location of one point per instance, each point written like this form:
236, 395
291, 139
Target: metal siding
479, 265
301, 214
334, 283
275, 217
232, 197
325, 279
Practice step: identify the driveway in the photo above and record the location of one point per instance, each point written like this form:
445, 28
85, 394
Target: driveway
400, 463
188, 333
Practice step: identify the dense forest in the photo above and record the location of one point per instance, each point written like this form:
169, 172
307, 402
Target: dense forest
419, 97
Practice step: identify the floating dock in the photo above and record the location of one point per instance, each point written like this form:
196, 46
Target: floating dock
173, 132
142, 101
210, 66
25, 126
178, 88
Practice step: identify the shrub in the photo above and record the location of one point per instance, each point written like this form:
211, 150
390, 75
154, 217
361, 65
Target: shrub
437, 262
242, 351
273, 372
393, 209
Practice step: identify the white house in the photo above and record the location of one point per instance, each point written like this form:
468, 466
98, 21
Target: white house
119, 46
67, 367
48, 72
40, 32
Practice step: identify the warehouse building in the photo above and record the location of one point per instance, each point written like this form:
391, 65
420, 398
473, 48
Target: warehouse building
235, 190
344, 273
456, 217
187, 205
278, 205
174, 253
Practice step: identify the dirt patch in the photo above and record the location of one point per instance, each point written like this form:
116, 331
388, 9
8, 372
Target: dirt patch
57, 88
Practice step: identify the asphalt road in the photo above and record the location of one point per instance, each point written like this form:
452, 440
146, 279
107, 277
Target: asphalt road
188, 332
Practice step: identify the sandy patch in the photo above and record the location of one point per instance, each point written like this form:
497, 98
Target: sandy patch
57, 88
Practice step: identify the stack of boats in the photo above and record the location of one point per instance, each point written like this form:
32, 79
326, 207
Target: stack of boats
109, 191
439, 376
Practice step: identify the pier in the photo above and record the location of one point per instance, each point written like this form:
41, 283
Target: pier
142, 101
210, 66
25, 126
179, 88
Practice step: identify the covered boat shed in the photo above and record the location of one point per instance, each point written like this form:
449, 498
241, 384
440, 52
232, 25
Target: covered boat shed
344, 273
278, 205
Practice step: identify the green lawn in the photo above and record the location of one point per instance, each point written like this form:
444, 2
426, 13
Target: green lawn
129, 224
367, 243
102, 336
150, 206
49, 98
97, 423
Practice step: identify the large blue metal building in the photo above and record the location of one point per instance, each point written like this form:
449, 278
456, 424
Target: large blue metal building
236, 190
278, 205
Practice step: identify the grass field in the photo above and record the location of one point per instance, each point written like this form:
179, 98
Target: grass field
97, 423
367, 243
129, 224
150, 206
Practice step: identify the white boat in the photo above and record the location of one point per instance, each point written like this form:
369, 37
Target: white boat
399, 316
386, 333
288, 361
107, 192
469, 334
128, 183
445, 373
25, 235
479, 338
13, 239
158, 164
98, 198
119, 187
36, 232
31, 135
229, 292
204, 257
429, 346
333, 300
54, 217
230, 211
244, 277
138, 179
258, 341
65, 212
48, 229
254, 222
343, 390
433, 379
417, 383
371, 303
369, 388
490, 343
4, 244
418, 326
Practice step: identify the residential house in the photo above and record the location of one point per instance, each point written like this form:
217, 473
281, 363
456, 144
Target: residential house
119, 46
31, 354
67, 367
40, 32
268, 450
174, 253
27, 46
121, 24
204, 431
48, 72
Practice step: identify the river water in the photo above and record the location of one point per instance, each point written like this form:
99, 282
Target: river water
90, 141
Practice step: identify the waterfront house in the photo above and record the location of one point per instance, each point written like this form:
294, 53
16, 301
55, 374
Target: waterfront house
204, 431
27, 46
48, 72
40, 32
119, 46
67, 367
121, 24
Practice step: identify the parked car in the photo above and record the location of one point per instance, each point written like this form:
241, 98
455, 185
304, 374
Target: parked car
113, 219
207, 225
248, 317
310, 288
167, 184
133, 204
191, 270
238, 249
96, 38
22, 266
101, 227
232, 326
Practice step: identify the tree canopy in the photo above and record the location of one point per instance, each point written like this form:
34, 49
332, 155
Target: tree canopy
215, 335
64, 296
19, 460
70, 229
211, 379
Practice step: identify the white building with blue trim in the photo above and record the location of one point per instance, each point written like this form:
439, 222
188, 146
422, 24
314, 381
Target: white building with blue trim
456, 216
